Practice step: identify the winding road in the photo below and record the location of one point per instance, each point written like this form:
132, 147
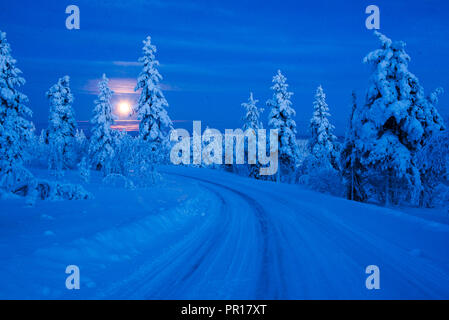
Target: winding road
220, 236
270, 241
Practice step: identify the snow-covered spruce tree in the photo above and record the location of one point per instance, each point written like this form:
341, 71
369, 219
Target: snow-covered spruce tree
322, 143
394, 123
16, 130
61, 127
101, 147
320, 170
155, 124
281, 118
349, 166
251, 120
252, 114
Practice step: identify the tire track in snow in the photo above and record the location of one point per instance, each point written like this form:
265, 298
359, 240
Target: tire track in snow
324, 256
176, 274
153, 279
356, 245
266, 288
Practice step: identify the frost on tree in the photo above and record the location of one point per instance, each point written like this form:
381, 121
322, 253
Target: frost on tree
281, 118
101, 148
42, 146
155, 123
84, 170
15, 130
125, 152
350, 167
322, 144
82, 145
251, 121
320, 169
395, 122
61, 126
433, 162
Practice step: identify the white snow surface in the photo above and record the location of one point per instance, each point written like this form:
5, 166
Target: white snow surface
207, 234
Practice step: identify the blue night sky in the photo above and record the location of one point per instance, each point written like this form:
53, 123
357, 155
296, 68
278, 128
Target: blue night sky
212, 53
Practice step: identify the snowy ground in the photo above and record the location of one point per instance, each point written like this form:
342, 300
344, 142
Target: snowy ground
206, 234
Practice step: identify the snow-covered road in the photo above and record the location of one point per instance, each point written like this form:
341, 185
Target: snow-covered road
308, 245
211, 235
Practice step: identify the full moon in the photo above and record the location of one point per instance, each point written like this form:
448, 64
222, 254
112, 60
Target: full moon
124, 108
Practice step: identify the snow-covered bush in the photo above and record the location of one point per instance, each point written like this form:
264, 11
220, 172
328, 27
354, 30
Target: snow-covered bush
118, 181
281, 118
324, 180
19, 181
393, 124
50, 190
84, 170
440, 196
125, 147
133, 160
313, 163
69, 191
24, 184
143, 171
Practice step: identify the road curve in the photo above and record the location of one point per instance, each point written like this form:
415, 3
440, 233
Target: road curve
306, 245
208, 234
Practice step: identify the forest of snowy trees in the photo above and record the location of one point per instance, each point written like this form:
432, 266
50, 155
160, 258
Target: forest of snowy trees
395, 151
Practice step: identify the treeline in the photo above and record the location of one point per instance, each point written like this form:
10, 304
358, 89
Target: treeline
395, 149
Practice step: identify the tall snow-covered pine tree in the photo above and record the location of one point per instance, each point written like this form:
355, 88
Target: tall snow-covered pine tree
322, 144
15, 130
252, 114
61, 126
251, 120
155, 124
101, 147
281, 118
395, 122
